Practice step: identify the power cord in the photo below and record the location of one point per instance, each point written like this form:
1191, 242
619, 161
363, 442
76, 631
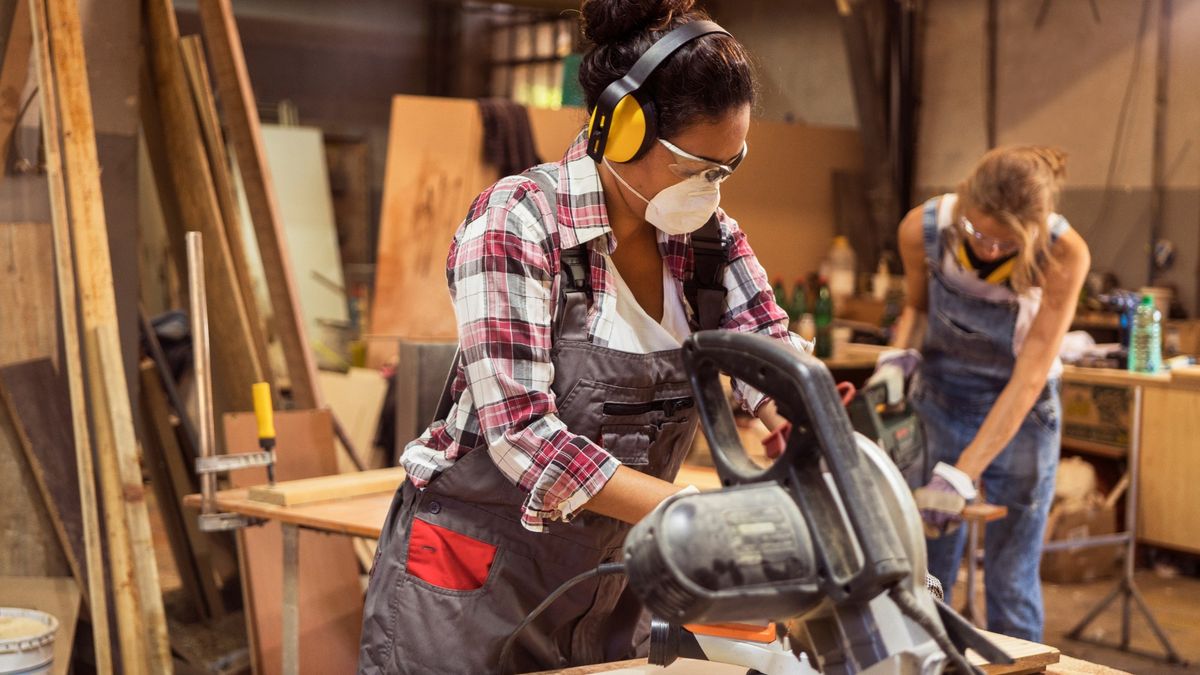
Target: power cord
602, 570
908, 606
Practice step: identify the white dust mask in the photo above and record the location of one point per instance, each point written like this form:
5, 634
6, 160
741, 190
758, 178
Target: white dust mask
681, 208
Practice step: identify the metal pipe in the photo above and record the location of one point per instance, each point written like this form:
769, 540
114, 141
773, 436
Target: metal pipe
201, 366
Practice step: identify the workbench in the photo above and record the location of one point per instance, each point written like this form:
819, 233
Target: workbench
1169, 453
362, 515
1028, 657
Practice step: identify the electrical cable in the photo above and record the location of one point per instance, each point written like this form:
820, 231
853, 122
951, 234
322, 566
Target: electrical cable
908, 606
602, 570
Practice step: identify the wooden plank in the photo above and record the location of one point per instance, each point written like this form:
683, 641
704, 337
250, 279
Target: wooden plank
57, 596
72, 353
171, 481
218, 162
36, 398
131, 552
330, 591
324, 488
241, 114
117, 428
13, 75
28, 322
185, 160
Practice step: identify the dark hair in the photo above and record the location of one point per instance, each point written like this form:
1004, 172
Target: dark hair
703, 80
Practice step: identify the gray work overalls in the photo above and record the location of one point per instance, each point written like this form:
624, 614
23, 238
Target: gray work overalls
640, 409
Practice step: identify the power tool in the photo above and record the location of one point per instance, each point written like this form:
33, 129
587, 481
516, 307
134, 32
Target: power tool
828, 534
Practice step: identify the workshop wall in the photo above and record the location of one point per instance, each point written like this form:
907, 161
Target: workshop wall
1085, 83
800, 58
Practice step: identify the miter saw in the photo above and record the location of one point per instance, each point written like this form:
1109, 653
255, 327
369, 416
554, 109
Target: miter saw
828, 535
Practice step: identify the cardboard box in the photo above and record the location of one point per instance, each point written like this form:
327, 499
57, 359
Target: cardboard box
1085, 564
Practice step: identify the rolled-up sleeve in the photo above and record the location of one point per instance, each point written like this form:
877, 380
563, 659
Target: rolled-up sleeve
503, 282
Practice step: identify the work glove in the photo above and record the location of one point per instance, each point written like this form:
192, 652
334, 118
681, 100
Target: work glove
776, 443
893, 367
943, 499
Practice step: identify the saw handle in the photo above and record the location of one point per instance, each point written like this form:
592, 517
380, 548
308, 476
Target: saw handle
853, 565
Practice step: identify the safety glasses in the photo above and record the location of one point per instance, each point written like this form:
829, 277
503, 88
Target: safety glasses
992, 245
687, 165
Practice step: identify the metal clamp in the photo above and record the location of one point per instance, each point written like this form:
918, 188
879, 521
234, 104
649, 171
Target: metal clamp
222, 463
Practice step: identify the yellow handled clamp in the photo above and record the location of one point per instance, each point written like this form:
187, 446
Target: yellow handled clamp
265, 416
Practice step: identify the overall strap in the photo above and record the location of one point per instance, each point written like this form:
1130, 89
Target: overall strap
705, 292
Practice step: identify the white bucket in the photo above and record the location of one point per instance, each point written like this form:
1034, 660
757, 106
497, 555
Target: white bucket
27, 654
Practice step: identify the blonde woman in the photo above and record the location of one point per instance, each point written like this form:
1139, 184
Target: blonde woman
993, 274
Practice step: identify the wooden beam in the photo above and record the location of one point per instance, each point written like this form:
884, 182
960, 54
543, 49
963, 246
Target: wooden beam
218, 162
72, 357
241, 114
182, 156
116, 444
309, 490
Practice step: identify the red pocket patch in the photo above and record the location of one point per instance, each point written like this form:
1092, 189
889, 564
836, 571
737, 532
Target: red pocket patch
447, 559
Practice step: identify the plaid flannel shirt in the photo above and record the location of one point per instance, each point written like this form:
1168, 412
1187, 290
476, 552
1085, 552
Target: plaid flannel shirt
503, 271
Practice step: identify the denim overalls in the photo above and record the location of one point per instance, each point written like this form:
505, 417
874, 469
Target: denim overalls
968, 360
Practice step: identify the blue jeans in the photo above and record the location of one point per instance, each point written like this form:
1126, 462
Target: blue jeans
1021, 478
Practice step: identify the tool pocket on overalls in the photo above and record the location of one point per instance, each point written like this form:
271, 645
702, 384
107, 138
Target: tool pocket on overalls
446, 561
629, 443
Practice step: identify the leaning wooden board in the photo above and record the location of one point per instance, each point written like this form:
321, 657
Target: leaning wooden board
36, 400
330, 592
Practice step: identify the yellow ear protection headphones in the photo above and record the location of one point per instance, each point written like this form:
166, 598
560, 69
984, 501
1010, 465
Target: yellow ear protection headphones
622, 127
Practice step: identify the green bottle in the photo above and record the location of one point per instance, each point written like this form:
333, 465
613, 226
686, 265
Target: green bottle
824, 320
798, 307
781, 296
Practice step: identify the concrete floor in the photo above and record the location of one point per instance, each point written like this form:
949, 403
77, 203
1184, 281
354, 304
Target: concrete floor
1175, 603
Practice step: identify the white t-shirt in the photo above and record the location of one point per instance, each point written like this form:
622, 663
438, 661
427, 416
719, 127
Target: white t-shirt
636, 332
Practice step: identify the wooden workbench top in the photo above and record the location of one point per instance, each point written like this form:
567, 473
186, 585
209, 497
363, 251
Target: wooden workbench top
363, 515
1030, 657
1186, 377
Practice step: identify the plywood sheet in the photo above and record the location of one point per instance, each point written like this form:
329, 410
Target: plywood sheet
356, 399
57, 596
36, 401
28, 324
782, 196
28, 544
330, 591
296, 156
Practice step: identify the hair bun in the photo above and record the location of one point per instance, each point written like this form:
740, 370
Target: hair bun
614, 21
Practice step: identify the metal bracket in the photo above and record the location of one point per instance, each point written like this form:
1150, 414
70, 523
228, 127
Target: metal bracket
222, 463
224, 522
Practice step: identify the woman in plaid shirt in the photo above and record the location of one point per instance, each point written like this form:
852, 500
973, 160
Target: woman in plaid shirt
569, 412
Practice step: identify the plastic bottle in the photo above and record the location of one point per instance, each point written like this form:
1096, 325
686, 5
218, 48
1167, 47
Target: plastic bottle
823, 313
881, 282
841, 268
806, 327
1145, 339
780, 294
